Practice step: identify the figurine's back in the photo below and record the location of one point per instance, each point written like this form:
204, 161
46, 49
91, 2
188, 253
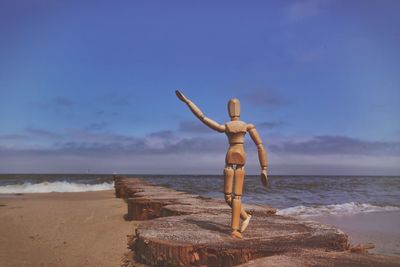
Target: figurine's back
236, 130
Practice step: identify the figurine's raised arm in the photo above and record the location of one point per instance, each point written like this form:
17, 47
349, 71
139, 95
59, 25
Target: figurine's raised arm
197, 112
262, 155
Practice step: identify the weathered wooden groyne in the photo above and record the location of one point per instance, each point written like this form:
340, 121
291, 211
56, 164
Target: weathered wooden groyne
181, 229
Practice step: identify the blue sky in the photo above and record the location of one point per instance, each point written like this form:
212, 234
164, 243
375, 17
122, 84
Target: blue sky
89, 85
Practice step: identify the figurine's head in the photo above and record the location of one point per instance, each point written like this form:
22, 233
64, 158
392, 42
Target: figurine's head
234, 108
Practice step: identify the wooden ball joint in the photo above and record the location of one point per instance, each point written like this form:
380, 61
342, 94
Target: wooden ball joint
235, 158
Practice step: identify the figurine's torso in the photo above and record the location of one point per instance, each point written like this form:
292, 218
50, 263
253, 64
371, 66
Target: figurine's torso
235, 130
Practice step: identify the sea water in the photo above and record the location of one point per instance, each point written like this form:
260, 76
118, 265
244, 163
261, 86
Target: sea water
293, 195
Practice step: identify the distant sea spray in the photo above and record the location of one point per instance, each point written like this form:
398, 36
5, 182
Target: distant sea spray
47, 187
46, 183
334, 209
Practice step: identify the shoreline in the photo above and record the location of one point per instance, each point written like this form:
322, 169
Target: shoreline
380, 228
63, 229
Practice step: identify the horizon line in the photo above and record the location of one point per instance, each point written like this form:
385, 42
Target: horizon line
158, 174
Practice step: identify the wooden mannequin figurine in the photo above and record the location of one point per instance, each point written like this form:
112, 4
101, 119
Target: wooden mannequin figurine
235, 158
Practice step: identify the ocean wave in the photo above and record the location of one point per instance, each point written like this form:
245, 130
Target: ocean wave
336, 209
47, 187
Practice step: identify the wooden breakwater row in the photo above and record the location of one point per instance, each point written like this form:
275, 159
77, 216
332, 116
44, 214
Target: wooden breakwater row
181, 229
147, 201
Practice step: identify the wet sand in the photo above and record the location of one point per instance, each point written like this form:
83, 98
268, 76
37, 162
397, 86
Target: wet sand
63, 229
380, 228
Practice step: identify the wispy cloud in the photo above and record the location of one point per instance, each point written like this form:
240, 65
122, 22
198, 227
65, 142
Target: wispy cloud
162, 134
83, 141
30, 134
42, 134
60, 105
170, 142
13, 137
117, 99
338, 145
269, 124
193, 126
97, 126
301, 10
147, 145
167, 151
62, 102
105, 113
266, 98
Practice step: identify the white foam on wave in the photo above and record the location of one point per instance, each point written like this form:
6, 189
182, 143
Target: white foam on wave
47, 187
335, 209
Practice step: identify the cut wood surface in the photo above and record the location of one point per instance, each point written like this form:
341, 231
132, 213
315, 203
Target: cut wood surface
204, 239
182, 229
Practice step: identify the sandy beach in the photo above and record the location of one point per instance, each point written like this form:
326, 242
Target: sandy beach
63, 229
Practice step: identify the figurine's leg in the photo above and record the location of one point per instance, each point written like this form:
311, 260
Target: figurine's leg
236, 202
228, 184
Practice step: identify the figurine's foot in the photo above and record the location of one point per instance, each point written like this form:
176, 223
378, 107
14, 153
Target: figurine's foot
236, 234
245, 223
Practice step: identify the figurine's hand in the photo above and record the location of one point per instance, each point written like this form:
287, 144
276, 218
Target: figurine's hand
264, 178
181, 96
